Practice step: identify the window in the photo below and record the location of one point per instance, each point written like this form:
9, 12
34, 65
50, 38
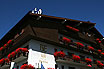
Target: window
55, 50
27, 47
94, 61
85, 46
56, 66
82, 57
62, 67
70, 54
60, 38
103, 62
17, 67
71, 40
71, 67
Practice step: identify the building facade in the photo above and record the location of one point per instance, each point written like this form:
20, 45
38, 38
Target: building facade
41, 41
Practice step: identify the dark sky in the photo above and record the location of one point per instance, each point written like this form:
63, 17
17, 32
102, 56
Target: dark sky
11, 11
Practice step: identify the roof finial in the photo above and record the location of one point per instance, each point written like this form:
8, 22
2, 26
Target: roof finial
36, 11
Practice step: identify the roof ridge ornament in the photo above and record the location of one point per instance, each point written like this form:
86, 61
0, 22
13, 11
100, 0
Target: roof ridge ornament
36, 11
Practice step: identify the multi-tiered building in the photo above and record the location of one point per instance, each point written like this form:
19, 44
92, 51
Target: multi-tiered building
52, 42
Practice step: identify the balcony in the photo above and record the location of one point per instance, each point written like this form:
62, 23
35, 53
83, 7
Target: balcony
4, 63
70, 44
80, 63
6, 48
70, 61
20, 57
5, 66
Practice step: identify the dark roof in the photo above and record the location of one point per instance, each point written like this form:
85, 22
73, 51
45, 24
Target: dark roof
60, 18
24, 21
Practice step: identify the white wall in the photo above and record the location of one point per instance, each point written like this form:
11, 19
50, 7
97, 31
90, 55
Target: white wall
35, 46
37, 55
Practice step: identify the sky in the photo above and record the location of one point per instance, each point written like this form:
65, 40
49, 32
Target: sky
12, 11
